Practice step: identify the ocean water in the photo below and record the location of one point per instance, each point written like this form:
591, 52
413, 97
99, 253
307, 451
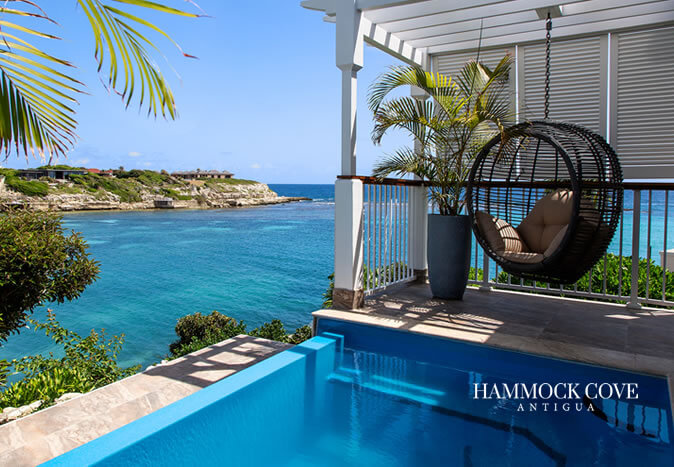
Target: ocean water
254, 264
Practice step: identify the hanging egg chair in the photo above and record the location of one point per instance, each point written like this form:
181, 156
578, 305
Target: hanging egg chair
545, 198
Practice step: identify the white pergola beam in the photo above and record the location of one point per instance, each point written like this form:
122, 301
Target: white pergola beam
432, 7
558, 32
526, 8
378, 37
537, 25
365, 5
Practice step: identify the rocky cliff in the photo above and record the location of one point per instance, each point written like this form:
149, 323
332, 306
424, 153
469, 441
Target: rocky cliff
147, 190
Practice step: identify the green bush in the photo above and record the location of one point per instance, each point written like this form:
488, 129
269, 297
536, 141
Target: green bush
197, 331
173, 194
146, 177
229, 181
60, 167
204, 328
39, 263
89, 362
273, 331
617, 276
28, 188
300, 335
127, 190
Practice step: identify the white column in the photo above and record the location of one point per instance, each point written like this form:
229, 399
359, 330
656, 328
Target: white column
349, 59
348, 291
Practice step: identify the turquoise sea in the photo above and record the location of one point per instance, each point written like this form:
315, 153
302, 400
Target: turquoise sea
254, 264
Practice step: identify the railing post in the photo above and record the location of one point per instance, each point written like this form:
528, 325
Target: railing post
418, 219
634, 304
348, 291
485, 287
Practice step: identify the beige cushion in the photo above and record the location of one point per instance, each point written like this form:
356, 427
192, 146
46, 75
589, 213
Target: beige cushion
556, 242
548, 217
523, 257
500, 235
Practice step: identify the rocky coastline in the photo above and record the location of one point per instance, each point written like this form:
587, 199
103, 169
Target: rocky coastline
62, 197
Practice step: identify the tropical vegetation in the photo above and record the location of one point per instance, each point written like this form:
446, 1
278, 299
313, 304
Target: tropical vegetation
129, 186
88, 363
38, 90
611, 277
39, 263
197, 331
460, 116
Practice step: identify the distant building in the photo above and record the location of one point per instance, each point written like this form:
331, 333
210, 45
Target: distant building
55, 173
201, 174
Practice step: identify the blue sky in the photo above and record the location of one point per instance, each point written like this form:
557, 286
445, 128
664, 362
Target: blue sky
262, 100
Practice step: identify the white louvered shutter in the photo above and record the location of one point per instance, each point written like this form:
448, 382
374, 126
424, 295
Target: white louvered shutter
451, 65
575, 82
644, 114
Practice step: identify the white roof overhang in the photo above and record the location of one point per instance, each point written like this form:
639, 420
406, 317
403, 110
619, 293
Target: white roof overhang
410, 29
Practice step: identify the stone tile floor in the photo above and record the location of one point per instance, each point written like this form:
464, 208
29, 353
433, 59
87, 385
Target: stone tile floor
53, 431
581, 330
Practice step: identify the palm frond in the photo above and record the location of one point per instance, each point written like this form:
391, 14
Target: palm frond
402, 162
452, 126
122, 48
36, 94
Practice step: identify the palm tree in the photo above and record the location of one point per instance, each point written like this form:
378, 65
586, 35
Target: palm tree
461, 115
38, 90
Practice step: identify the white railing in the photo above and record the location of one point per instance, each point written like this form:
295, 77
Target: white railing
392, 240
643, 232
388, 207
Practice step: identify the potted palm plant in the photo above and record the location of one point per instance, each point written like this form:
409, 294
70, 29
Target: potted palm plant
449, 129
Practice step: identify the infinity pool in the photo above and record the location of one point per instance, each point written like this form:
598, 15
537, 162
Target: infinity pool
362, 395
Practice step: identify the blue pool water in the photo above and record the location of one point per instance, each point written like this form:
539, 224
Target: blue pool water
361, 395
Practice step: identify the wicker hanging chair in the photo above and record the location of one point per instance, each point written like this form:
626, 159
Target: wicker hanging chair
560, 185
545, 202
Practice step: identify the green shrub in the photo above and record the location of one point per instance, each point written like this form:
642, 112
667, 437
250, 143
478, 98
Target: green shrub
127, 190
197, 331
616, 269
60, 167
28, 188
273, 331
174, 194
229, 181
300, 335
204, 328
146, 177
89, 362
38, 263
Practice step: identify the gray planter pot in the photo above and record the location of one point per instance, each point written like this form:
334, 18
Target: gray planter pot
449, 245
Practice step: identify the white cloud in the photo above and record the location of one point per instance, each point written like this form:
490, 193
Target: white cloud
256, 166
135, 154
